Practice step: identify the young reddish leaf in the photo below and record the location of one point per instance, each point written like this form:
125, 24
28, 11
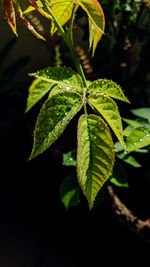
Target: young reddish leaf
9, 13
96, 21
24, 21
38, 6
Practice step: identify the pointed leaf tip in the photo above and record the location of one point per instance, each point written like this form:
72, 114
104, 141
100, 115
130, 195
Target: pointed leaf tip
95, 155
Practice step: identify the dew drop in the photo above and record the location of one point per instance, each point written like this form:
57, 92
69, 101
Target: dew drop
135, 143
147, 134
141, 139
67, 88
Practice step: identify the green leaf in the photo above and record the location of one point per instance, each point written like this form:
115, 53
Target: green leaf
127, 130
118, 147
132, 123
62, 10
37, 90
53, 118
107, 87
60, 75
109, 110
129, 159
70, 192
142, 113
95, 155
96, 21
138, 138
69, 159
9, 13
119, 176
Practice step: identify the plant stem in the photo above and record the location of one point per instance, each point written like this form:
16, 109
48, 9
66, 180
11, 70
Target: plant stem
67, 41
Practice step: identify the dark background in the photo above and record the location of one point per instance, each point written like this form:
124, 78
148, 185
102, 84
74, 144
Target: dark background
35, 228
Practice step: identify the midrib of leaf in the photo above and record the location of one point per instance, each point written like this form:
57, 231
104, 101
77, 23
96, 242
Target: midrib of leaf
104, 114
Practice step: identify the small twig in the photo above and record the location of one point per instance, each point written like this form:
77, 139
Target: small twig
126, 217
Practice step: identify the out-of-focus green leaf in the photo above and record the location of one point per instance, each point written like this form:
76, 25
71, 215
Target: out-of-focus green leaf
132, 123
129, 159
138, 138
119, 176
142, 113
69, 159
108, 88
95, 155
109, 110
70, 192
118, 147
53, 118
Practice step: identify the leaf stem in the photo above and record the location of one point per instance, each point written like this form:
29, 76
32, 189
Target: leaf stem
47, 8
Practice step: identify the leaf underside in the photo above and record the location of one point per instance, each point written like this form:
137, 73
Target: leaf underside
53, 118
95, 155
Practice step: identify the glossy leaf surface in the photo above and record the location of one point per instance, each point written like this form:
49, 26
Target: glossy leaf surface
138, 138
108, 109
95, 155
108, 88
37, 90
53, 118
59, 75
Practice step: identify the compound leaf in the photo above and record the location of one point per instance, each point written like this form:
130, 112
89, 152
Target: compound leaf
60, 75
95, 155
109, 110
107, 87
138, 138
53, 118
37, 90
